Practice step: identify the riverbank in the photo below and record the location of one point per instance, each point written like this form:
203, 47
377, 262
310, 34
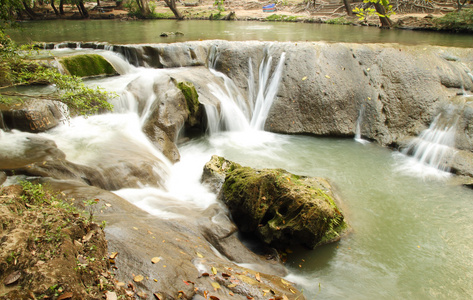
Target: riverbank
287, 11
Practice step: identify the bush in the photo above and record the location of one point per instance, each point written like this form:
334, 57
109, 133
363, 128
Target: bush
459, 21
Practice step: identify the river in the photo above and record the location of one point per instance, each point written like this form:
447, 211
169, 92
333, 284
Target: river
137, 32
412, 235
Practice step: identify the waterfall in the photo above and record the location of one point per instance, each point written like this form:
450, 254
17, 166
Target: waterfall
359, 121
433, 148
237, 114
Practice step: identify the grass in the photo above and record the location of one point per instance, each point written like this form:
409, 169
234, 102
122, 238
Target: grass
282, 18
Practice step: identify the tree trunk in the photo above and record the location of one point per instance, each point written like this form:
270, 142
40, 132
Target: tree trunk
348, 7
61, 7
172, 6
54, 7
144, 7
385, 21
31, 14
82, 10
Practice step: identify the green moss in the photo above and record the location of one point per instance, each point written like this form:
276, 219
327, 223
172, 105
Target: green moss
192, 101
282, 18
460, 21
85, 65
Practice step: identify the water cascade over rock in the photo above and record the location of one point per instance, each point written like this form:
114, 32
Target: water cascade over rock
316, 88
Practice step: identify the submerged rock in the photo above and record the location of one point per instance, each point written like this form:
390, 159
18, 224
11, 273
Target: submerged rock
279, 207
85, 65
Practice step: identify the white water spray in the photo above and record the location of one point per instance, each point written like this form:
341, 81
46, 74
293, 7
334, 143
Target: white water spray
237, 114
432, 150
359, 121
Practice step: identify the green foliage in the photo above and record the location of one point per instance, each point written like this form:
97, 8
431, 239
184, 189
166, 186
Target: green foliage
461, 21
17, 69
339, 21
8, 12
369, 11
281, 18
219, 4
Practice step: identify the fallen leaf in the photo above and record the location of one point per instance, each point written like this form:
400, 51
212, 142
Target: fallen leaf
155, 280
232, 285
135, 228
214, 270
304, 78
205, 294
205, 274
108, 204
88, 236
368, 69
113, 255
138, 278
67, 295
284, 282
199, 255
214, 298
158, 296
215, 285
225, 275
284, 297
12, 278
111, 295
326, 76
155, 260
292, 291
258, 277
187, 283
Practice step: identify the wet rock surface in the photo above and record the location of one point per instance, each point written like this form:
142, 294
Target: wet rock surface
279, 207
176, 258
35, 115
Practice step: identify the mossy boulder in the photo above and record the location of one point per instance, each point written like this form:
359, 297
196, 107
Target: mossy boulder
86, 65
194, 107
279, 207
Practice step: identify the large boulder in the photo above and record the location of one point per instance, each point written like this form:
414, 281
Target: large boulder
32, 115
177, 258
86, 65
279, 207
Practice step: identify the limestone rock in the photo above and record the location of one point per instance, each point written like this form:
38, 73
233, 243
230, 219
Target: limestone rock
279, 207
34, 115
86, 65
185, 255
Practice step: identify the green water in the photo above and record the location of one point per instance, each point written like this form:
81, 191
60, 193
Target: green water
411, 238
134, 32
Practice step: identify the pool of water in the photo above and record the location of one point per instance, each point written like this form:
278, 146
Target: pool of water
134, 32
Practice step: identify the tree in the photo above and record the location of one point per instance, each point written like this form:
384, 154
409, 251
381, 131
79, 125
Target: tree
82, 10
143, 6
348, 7
461, 4
173, 7
382, 9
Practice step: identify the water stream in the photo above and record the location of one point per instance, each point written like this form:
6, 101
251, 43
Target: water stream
412, 236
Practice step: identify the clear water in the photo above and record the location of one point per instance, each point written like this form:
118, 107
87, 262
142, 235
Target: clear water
135, 32
411, 238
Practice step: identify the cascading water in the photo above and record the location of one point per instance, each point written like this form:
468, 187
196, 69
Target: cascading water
433, 149
359, 121
237, 114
